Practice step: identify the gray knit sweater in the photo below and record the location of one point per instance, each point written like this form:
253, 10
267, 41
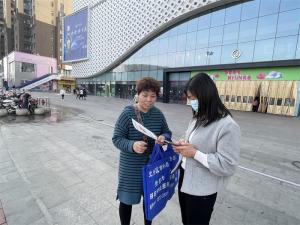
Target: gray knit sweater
221, 141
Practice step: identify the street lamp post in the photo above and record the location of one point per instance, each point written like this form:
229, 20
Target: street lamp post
208, 55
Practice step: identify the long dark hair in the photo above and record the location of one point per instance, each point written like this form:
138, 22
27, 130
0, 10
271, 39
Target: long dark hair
210, 106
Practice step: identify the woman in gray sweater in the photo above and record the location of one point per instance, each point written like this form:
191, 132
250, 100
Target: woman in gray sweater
210, 151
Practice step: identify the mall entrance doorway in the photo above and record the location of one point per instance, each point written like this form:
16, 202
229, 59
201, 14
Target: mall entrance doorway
174, 84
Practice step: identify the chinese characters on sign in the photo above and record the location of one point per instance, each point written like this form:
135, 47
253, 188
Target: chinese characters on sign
236, 75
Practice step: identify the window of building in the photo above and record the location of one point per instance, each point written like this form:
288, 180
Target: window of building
213, 55
233, 14
24, 81
269, 7
246, 50
180, 59
250, 9
191, 40
266, 27
288, 23
27, 67
172, 44
227, 98
230, 33
250, 99
153, 47
279, 102
189, 58
298, 48
192, 25
181, 43
227, 54
217, 18
145, 51
289, 4
171, 60
263, 50
233, 98
285, 48
163, 46
248, 30
204, 22
145, 61
215, 36
202, 38
172, 32
181, 29
163, 60
200, 57
153, 62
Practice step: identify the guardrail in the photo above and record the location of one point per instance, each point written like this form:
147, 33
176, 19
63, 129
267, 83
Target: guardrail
44, 102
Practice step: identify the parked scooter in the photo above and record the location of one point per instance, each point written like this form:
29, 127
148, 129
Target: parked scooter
10, 105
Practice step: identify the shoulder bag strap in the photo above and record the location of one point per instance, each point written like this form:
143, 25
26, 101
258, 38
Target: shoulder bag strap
139, 119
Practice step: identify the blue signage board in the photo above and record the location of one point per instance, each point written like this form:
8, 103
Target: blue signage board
75, 36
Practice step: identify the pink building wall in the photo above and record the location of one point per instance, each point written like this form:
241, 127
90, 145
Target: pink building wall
43, 63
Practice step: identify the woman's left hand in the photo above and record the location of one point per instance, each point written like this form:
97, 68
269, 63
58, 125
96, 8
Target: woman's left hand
185, 149
160, 140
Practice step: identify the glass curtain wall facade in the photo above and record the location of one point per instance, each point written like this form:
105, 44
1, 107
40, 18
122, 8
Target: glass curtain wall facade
259, 30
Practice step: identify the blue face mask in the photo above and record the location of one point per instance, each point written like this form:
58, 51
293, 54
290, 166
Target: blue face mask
195, 104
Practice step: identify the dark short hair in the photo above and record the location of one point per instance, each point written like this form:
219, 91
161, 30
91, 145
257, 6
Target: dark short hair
148, 84
210, 106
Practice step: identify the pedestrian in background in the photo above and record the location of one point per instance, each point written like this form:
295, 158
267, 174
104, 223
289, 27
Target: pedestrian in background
210, 151
62, 93
84, 93
135, 147
77, 93
80, 94
255, 104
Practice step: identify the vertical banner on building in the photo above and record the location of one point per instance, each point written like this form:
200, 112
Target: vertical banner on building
75, 36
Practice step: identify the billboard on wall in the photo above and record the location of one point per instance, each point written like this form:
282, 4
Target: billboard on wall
75, 36
271, 73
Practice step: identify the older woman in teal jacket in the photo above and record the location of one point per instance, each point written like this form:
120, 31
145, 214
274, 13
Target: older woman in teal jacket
134, 147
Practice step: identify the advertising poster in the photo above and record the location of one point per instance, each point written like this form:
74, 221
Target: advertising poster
75, 36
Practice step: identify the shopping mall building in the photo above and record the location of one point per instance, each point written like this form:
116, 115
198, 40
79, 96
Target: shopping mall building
250, 48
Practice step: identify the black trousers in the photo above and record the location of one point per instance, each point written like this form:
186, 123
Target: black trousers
195, 210
125, 214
